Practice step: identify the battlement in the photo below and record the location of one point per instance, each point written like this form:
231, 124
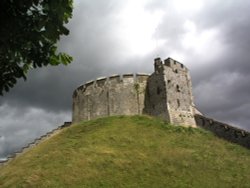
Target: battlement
113, 79
168, 63
174, 64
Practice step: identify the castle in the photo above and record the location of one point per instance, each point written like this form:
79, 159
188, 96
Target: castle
166, 93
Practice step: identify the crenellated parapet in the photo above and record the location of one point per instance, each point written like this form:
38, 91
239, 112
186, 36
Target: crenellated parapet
169, 63
112, 80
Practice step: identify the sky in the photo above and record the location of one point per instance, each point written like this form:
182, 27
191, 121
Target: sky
210, 37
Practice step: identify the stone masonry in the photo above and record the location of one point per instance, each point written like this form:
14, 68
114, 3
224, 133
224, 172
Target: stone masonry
169, 93
114, 95
166, 93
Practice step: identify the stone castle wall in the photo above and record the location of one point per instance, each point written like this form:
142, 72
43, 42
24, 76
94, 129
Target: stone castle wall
169, 93
224, 130
114, 95
179, 93
155, 97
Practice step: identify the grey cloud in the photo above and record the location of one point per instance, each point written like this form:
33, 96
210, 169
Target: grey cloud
222, 86
49, 89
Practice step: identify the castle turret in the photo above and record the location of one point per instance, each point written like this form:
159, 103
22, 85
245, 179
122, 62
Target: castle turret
169, 93
158, 65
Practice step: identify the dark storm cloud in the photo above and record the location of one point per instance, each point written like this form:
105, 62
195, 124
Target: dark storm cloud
222, 85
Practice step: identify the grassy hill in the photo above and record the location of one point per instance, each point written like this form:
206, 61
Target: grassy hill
135, 151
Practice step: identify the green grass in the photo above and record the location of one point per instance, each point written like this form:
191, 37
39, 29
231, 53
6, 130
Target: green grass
134, 151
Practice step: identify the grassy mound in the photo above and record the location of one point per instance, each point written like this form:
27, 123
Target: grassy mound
134, 151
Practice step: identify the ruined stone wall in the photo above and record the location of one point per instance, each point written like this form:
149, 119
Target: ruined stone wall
114, 95
224, 130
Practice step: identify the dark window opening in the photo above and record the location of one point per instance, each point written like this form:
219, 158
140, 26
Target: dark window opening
147, 92
153, 106
176, 71
178, 88
169, 81
182, 66
158, 90
178, 103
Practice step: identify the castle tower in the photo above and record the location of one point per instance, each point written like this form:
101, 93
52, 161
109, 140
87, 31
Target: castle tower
169, 93
109, 96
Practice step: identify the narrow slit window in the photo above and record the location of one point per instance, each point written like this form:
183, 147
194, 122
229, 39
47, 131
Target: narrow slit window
178, 88
153, 106
178, 103
158, 90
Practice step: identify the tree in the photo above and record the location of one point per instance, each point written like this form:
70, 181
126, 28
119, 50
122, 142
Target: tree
29, 33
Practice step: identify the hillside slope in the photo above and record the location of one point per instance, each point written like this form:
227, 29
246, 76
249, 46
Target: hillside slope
135, 151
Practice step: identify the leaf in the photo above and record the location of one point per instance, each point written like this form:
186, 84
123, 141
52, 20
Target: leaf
30, 31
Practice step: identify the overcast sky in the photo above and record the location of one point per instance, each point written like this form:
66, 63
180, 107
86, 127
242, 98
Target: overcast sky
211, 37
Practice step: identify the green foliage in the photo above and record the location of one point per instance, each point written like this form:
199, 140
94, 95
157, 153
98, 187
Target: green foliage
136, 87
135, 151
28, 36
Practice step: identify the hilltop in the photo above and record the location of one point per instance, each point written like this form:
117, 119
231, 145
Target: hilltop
130, 151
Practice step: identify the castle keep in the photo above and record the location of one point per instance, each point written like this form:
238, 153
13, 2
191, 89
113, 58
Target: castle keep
166, 93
